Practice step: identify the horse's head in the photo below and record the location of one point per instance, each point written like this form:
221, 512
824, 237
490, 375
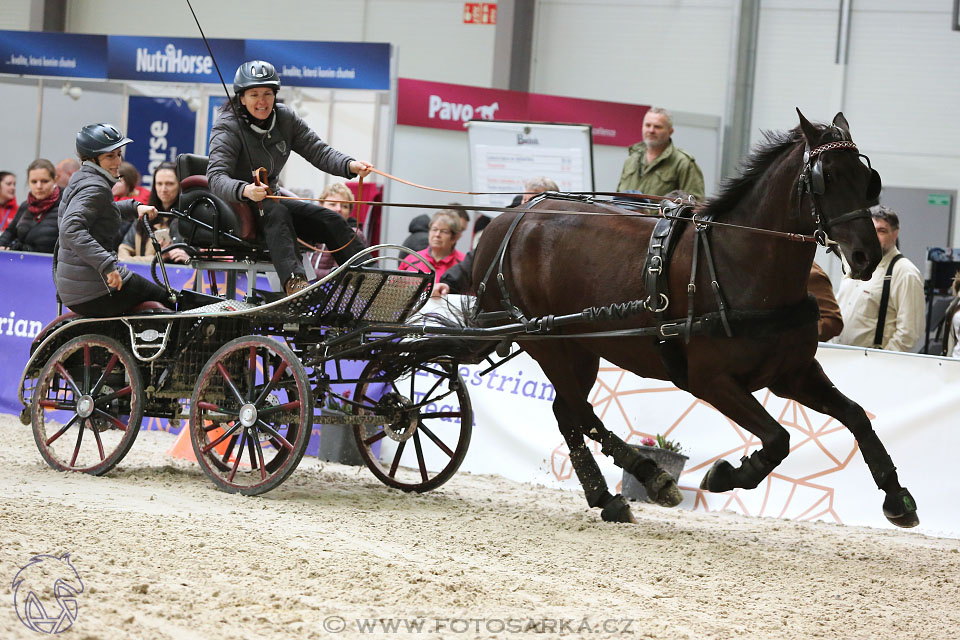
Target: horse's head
843, 186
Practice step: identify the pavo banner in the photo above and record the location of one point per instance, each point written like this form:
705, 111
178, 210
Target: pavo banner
161, 129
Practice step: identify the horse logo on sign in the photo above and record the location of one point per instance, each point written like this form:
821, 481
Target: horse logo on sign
45, 593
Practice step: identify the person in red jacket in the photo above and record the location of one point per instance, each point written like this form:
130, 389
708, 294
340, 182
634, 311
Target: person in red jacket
8, 199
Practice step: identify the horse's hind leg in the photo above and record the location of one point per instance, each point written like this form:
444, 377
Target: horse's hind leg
573, 371
812, 388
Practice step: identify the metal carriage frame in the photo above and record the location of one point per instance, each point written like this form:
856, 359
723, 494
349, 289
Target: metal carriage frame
246, 380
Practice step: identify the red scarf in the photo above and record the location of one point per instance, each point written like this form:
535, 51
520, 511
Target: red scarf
39, 208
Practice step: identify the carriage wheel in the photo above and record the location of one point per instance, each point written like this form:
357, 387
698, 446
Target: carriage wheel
251, 415
431, 420
88, 404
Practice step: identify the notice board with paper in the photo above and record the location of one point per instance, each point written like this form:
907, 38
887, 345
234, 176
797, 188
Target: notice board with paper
504, 155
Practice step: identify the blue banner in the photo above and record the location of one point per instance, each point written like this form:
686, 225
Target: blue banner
171, 59
301, 63
53, 54
337, 65
213, 108
161, 129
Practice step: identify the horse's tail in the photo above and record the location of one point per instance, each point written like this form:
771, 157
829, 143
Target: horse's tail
459, 348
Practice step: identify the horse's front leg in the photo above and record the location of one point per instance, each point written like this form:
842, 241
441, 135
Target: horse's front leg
729, 398
812, 388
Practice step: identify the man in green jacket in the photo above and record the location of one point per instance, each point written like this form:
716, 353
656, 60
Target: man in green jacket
655, 166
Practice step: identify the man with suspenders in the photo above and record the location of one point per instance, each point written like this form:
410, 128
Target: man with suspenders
887, 311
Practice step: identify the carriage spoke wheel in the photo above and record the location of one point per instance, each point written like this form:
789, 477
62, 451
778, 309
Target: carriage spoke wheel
251, 415
429, 421
88, 404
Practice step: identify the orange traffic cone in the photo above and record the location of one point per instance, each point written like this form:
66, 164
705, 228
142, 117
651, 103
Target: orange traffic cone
182, 448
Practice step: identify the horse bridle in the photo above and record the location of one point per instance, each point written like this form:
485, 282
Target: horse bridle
813, 181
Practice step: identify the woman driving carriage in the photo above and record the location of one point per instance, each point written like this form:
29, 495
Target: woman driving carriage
254, 130
89, 280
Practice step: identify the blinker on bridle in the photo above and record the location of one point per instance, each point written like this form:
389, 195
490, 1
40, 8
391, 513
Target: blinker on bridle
813, 181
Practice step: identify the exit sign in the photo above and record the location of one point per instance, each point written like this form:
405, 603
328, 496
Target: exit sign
479, 13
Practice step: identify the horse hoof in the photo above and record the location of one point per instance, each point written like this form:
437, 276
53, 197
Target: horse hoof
617, 510
662, 489
900, 509
719, 478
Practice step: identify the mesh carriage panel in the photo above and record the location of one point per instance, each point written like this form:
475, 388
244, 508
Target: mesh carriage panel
358, 296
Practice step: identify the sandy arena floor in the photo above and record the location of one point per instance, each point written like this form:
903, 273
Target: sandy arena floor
162, 554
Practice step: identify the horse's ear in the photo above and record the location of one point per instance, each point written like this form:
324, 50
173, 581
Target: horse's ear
841, 122
810, 132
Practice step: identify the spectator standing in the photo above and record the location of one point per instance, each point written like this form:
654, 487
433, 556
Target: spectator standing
831, 320
65, 169
336, 197
34, 228
136, 245
655, 166
887, 311
441, 253
951, 322
8, 199
269, 131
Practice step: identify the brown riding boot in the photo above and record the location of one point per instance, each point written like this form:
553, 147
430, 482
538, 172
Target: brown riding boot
296, 283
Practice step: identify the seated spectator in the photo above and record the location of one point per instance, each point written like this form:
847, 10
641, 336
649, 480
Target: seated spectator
419, 229
35, 226
323, 261
8, 199
65, 169
445, 229
532, 187
128, 187
136, 245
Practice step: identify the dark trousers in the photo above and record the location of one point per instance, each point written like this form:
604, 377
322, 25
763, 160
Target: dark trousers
284, 221
136, 289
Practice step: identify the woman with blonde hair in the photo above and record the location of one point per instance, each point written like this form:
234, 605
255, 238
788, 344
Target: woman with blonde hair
336, 197
951, 322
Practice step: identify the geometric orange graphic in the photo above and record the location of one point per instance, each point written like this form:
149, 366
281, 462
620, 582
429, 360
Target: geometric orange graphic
789, 492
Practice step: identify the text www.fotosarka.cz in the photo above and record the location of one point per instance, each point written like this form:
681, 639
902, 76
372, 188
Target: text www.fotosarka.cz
584, 625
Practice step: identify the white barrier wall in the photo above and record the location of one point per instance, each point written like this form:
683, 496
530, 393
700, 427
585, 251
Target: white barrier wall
913, 401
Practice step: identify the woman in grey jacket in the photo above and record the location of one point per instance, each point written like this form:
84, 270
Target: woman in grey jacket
264, 136
89, 279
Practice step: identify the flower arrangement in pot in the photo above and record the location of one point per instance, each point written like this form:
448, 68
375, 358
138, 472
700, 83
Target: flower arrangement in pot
668, 456
336, 442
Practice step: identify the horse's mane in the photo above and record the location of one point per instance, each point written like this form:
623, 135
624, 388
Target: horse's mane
733, 190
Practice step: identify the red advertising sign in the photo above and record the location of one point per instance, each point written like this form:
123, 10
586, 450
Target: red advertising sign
479, 13
449, 106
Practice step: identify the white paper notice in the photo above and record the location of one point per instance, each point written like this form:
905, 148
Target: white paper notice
504, 169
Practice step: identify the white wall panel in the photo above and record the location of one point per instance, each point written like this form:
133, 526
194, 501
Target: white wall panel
673, 54
432, 41
285, 20
15, 15
796, 49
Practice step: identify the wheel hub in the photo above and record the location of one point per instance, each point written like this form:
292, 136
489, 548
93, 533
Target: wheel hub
85, 406
248, 415
405, 425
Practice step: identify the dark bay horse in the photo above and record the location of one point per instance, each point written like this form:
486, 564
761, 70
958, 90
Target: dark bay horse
806, 179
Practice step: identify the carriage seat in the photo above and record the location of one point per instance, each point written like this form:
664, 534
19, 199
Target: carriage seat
199, 203
150, 306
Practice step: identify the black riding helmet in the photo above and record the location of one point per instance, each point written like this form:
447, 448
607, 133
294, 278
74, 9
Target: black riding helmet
95, 139
255, 73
